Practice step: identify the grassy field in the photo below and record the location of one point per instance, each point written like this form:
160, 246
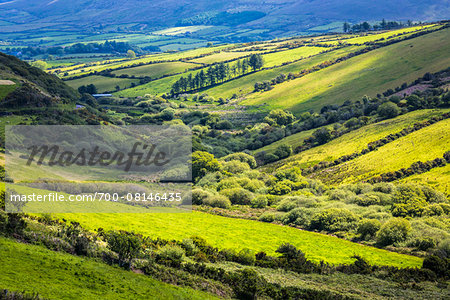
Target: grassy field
103, 84
222, 56
425, 144
56, 275
294, 140
118, 63
238, 234
280, 57
356, 140
438, 178
6, 89
156, 70
366, 74
386, 35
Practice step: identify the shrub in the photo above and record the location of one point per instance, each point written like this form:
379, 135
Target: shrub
286, 205
189, 247
202, 163
292, 174
268, 217
242, 157
238, 196
228, 183
127, 245
367, 200
299, 217
259, 201
246, 257
341, 195
393, 231
384, 187
367, 228
235, 166
388, 110
170, 255
440, 266
433, 210
199, 195
283, 151
217, 201
334, 219
250, 184
409, 200
281, 188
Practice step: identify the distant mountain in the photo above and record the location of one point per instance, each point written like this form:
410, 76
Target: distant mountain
274, 15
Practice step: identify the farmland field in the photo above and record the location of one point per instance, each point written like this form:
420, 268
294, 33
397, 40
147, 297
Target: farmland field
156, 70
357, 140
103, 84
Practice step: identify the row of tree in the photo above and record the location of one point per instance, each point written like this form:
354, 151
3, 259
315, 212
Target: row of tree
383, 25
216, 74
106, 47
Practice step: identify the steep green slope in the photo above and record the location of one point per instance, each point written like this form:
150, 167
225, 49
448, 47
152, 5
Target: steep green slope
56, 275
366, 74
425, 144
34, 86
356, 140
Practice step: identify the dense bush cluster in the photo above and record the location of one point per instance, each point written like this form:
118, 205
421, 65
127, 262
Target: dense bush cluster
357, 212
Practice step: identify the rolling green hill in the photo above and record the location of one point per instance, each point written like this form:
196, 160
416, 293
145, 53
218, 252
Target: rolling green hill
366, 74
356, 140
423, 145
56, 275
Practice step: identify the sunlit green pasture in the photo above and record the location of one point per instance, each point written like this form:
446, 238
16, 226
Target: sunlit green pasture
56, 275
103, 84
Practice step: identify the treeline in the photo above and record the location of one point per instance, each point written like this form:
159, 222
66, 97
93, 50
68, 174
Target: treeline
383, 25
216, 74
106, 47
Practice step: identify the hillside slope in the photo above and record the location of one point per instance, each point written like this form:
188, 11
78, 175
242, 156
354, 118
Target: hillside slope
56, 275
366, 74
33, 87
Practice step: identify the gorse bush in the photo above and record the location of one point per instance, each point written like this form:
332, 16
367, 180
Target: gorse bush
394, 230
334, 219
238, 195
367, 228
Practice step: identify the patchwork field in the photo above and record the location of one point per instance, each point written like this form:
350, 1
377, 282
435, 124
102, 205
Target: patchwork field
156, 70
366, 74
